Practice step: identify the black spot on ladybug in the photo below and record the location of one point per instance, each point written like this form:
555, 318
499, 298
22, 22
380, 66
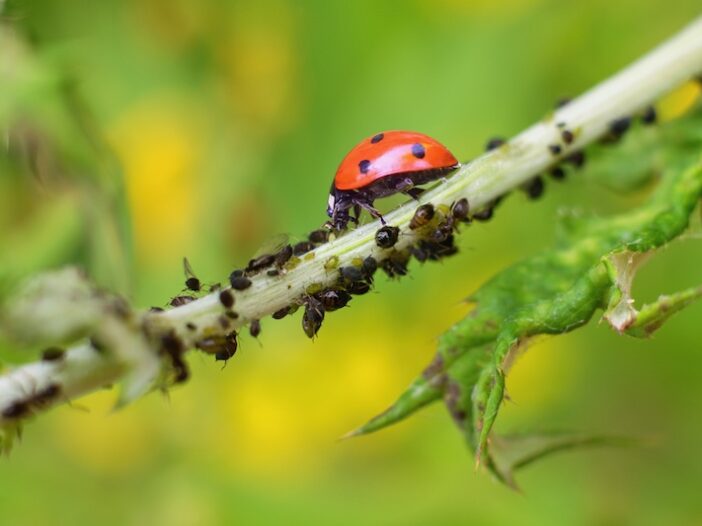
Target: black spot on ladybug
386, 237
155, 309
418, 151
567, 136
562, 102
554, 148
226, 298
377, 138
190, 326
273, 272
649, 115
493, 143
364, 166
231, 314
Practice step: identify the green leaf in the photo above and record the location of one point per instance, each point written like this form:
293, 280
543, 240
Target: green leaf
554, 292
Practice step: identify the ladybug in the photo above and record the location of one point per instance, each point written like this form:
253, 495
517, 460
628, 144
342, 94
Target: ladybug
385, 164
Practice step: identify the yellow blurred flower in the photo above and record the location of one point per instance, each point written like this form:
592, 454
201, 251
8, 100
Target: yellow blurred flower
106, 442
679, 101
158, 144
258, 58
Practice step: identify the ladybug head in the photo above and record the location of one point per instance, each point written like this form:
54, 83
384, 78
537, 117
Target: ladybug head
331, 203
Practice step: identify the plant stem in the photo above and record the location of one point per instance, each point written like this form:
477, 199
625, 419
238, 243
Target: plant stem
481, 181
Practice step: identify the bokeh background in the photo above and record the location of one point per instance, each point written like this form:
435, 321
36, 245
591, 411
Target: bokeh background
149, 130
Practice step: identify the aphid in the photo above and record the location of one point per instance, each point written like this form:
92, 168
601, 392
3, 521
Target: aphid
388, 163
486, 213
332, 263
444, 230
226, 298
259, 263
53, 354
351, 273
191, 282
313, 316
357, 287
283, 255
239, 282
255, 328
319, 236
333, 299
493, 143
174, 348
419, 253
554, 148
617, 128
281, 313
302, 247
649, 115
386, 237
558, 173
370, 265
422, 216
191, 326
395, 265
535, 188
43, 397
567, 136
16, 409
460, 210
228, 348
577, 159
181, 300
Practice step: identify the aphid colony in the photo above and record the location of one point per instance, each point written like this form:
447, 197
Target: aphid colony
384, 164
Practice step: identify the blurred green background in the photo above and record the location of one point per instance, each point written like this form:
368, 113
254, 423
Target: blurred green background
137, 132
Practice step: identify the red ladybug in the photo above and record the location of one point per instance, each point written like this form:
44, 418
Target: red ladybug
385, 164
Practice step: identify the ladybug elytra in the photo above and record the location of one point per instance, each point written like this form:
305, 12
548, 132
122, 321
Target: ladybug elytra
385, 164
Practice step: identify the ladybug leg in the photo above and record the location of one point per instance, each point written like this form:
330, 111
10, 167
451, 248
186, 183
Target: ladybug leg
356, 212
371, 210
414, 193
